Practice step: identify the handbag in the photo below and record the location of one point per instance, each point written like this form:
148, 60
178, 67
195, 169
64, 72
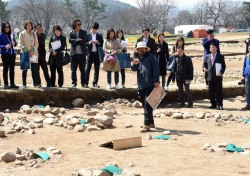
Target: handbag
124, 60
110, 58
66, 58
24, 61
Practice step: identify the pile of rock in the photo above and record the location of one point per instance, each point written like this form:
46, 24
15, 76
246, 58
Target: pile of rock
99, 172
219, 117
29, 158
221, 147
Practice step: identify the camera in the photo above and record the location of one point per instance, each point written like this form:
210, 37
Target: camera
241, 82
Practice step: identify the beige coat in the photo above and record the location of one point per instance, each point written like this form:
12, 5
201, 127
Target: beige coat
29, 41
108, 47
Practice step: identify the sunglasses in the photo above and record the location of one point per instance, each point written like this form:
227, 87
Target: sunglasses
7, 26
79, 24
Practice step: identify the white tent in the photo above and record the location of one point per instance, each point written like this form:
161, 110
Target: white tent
184, 29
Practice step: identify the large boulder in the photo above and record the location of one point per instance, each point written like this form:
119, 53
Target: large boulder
8, 157
78, 102
105, 120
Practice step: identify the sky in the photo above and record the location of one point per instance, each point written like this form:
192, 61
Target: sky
181, 4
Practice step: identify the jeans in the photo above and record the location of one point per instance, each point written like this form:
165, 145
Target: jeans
34, 71
148, 110
93, 58
123, 75
8, 66
247, 89
43, 64
116, 77
78, 60
180, 85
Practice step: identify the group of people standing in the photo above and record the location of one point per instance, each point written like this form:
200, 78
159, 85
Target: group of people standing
84, 52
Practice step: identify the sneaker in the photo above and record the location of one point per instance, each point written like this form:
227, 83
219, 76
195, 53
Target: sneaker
73, 85
13, 86
96, 86
152, 125
245, 108
190, 105
109, 86
24, 86
145, 129
116, 86
123, 86
6, 87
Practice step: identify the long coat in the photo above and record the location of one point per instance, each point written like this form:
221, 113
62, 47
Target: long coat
163, 57
59, 56
150, 44
108, 46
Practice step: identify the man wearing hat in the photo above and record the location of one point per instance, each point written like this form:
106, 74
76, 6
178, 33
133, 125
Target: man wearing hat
95, 40
150, 42
206, 42
147, 68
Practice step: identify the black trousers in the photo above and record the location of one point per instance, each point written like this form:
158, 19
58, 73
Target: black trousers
182, 95
206, 74
215, 91
8, 66
78, 60
123, 75
170, 78
53, 70
93, 58
34, 72
148, 110
43, 64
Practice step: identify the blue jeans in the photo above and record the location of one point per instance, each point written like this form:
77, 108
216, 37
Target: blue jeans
247, 89
116, 77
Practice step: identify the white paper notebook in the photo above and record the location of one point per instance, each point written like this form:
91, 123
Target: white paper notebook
217, 68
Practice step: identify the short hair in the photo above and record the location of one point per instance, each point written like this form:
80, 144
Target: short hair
3, 28
180, 48
108, 33
74, 23
180, 39
118, 31
146, 29
213, 44
37, 24
210, 31
57, 27
95, 25
26, 24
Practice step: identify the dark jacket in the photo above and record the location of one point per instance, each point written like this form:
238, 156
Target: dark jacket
74, 42
99, 38
58, 57
183, 68
163, 57
41, 45
150, 44
5, 41
211, 68
206, 44
246, 67
147, 71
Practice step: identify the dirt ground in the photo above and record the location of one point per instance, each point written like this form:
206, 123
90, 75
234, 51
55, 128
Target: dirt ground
181, 155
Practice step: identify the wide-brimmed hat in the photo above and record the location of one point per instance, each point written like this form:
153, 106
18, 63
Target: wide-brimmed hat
142, 45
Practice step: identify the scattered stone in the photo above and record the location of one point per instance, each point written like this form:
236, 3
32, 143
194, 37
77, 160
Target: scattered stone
91, 113
129, 104
18, 151
70, 127
36, 111
149, 137
112, 109
87, 107
51, 148
222, 145
80, 128
137, 104
166, 133
91, 128
8, 157
84, 172
48, 121
200, 115
36, 166
101, 173
206, 146
2, 117
42, 148
40, 125
168, 113
177, 115
105, 120
2, 134
99, 125
24, 107
31, 131
10, 132
108, 113
7, 111
19, 163
128, 125
21, 157
49, 115
56, 152
78, 102
56, 111
90, 119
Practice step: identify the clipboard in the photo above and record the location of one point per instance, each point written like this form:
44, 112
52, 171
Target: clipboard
56, 45
156, 96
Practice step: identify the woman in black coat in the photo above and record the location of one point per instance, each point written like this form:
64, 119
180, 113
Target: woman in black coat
56, 56
163, 57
